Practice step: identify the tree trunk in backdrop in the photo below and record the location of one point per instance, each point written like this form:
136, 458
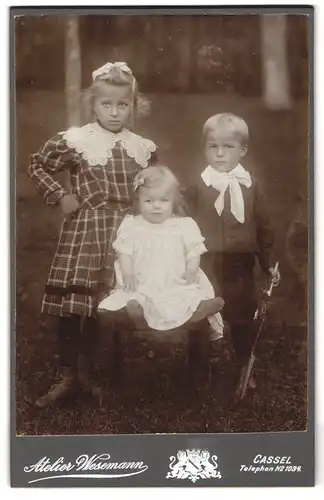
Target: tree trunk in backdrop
276, 88
72, 77
182, 47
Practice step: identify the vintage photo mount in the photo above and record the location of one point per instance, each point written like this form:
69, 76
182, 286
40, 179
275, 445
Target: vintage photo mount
143, 460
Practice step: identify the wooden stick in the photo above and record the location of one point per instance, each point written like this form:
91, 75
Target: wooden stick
247, 370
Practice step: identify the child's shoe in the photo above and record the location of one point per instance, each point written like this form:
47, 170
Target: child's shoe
85, 378
61, 390
136, 313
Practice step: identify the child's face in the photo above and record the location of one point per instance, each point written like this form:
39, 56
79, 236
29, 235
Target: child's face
155, 204
223, 150
113, 107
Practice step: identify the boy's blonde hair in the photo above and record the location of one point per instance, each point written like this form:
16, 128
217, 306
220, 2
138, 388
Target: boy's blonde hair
118, 77
160, 176
229, 122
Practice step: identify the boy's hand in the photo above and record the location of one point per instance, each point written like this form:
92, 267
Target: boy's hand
129, 282
69, 203
275, 275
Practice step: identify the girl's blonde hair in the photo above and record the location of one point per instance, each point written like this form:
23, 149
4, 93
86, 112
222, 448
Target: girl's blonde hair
159, 176
228, 122
120, 78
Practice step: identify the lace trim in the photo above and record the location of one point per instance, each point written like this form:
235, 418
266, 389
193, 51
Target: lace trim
95, 144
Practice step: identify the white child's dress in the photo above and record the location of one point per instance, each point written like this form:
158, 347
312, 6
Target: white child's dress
159, 253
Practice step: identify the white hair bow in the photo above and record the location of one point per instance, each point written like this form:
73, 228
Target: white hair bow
105, 70
138, 182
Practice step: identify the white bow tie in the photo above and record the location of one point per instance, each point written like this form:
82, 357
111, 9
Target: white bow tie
221, 181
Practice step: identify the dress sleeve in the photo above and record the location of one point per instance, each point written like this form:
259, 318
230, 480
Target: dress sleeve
192, 238
55, 156
124, 243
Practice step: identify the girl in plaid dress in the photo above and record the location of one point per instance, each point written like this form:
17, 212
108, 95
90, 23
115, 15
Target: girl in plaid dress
102, 158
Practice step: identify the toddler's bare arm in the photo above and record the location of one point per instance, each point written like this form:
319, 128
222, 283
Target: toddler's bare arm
127, 270
192, 269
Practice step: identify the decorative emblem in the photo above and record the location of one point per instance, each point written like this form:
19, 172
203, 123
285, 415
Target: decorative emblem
193, 465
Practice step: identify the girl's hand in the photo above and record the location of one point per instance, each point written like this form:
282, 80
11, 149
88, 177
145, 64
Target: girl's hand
69, 203
129, 282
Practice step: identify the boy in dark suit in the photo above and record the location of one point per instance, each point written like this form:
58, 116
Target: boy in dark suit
230, 210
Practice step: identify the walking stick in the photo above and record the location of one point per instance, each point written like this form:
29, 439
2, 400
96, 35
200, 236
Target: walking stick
260, 315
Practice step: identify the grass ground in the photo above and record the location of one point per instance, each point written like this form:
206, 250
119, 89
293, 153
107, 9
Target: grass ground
143, 404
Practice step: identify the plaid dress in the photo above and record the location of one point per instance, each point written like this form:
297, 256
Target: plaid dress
102, 166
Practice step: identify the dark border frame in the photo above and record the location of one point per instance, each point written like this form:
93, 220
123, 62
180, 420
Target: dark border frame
154, 450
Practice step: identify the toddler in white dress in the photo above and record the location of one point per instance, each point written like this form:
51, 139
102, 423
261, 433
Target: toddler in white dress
159, 280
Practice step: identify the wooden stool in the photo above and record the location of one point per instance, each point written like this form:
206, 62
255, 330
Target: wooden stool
192, 339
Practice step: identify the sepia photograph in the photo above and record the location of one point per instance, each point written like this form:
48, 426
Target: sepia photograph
162, 186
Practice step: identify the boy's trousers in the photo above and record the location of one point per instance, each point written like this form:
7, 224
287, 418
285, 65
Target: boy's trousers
232, 277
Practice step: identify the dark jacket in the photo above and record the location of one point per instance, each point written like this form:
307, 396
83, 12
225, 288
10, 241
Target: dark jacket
224, 233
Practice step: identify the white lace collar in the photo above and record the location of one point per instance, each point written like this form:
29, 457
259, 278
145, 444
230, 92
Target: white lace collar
95, 144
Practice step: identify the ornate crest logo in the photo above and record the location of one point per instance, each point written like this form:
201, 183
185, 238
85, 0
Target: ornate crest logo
193, 465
